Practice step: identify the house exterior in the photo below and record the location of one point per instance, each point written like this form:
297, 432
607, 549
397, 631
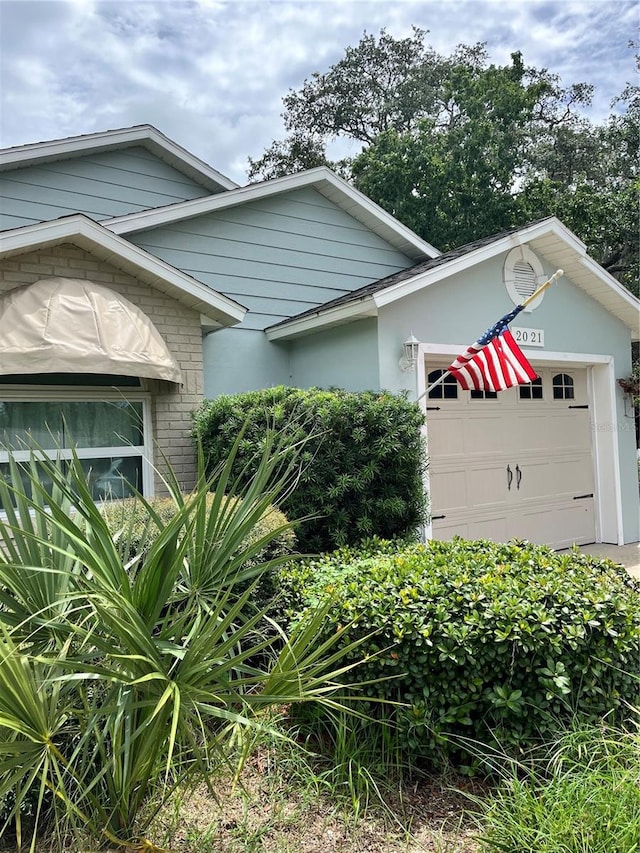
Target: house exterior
190, 286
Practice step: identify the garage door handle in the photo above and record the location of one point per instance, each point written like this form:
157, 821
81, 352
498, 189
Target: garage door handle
437, 517
582, 497
518, 476
509, 477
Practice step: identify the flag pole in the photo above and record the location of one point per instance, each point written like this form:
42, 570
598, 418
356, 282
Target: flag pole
557, 274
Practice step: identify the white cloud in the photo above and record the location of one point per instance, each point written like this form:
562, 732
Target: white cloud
211, 74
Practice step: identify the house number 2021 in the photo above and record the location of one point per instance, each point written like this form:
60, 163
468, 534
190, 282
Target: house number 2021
528, 337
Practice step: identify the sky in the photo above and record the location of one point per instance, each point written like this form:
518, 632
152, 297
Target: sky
211, 74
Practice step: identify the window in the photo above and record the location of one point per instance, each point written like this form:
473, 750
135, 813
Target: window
446, 390
108, 433
523, 273
562, 387
484, 395
532, 391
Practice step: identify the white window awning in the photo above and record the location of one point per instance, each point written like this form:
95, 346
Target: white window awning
66, 325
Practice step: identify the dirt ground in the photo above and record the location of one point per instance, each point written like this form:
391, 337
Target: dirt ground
270, 813
431, 817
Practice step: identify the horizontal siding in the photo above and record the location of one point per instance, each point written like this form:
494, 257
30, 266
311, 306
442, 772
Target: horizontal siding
100, 185
277, 256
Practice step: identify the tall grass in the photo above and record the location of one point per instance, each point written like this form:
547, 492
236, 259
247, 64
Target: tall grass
582, 796
122, 680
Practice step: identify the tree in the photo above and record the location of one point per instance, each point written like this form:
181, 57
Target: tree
587, 176
452, 178
380, 84
458, 149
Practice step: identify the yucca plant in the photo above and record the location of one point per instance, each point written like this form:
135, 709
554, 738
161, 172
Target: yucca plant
120, 681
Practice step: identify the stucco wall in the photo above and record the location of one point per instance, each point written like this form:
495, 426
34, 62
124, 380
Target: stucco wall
179, 326
343, 357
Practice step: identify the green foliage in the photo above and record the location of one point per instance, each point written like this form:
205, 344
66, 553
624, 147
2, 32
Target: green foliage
133, 520
454, 185
493, 643
458, 149
122, 679
380, 84
362, 461
584, 798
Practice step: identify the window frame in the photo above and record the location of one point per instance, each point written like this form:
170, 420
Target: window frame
482, 394
449, 382
81, 394
566, 383
530, 386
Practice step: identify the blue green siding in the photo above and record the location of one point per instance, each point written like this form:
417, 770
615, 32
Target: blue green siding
277, 256
100, 185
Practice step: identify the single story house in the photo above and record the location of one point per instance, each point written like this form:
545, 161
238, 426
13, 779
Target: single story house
135, 279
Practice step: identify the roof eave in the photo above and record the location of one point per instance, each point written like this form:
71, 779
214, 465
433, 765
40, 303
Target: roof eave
321, 178
331, 317
573, 258
87, 234
175, 155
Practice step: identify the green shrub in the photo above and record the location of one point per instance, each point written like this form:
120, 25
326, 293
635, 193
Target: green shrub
498, 643
133, 517
362, 462
131, 522
119, 683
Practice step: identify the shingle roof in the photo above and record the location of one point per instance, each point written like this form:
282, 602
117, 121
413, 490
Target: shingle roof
403, 275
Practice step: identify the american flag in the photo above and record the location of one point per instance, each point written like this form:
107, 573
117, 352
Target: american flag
495, 362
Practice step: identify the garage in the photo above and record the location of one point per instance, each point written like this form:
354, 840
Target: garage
518, 463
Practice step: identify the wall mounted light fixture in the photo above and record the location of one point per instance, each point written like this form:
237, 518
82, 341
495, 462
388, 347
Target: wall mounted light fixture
410, 350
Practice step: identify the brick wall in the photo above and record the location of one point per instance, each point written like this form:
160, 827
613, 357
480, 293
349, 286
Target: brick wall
178, 325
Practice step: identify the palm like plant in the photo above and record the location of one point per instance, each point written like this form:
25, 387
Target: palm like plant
121, 681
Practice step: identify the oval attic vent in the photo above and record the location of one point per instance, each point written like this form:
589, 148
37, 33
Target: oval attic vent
525, 279
523, 273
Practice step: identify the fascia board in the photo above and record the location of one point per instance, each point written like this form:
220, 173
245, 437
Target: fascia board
405, 288
92, 234
324, 180
330, 317
145, 219
37, 152
521, 237
552, 225
613, 283
365, 204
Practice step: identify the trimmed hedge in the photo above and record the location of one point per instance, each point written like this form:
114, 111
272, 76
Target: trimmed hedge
362, 462
501, 643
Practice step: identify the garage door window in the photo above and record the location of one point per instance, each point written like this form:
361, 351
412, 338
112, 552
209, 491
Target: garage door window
484, 395
532, 391
562, 387
446, 390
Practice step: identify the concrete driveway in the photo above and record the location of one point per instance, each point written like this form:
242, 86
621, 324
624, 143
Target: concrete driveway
626, 555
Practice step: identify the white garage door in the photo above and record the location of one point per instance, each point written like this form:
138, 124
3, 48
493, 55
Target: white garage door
516, 464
